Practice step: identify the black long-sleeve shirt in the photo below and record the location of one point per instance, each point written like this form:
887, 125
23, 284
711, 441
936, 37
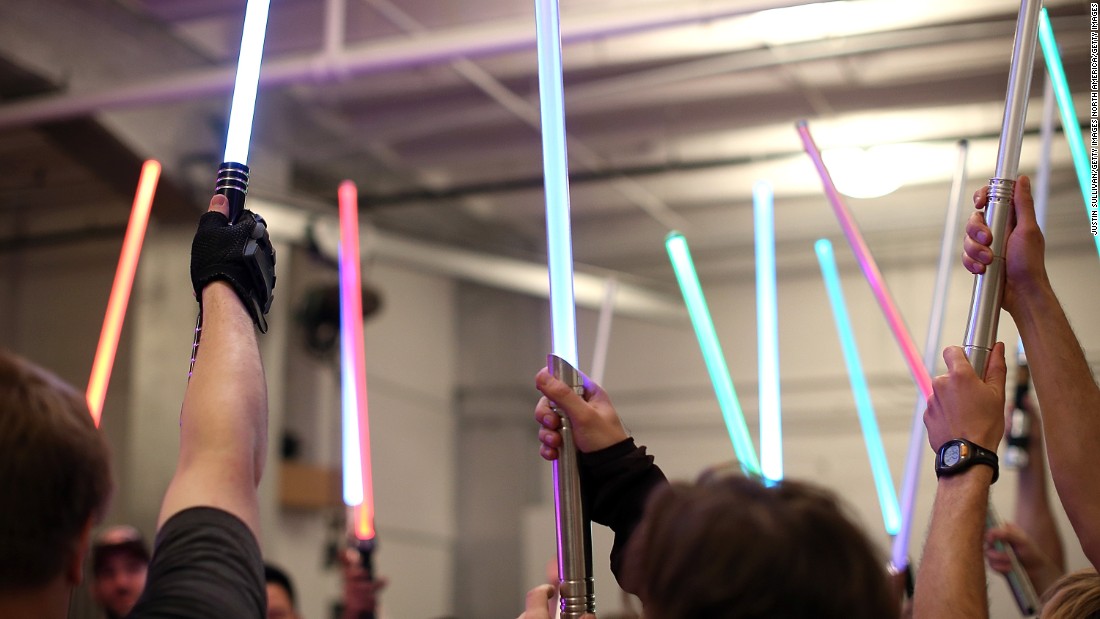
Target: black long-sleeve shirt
615, 483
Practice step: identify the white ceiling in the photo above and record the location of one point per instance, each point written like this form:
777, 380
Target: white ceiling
674, 109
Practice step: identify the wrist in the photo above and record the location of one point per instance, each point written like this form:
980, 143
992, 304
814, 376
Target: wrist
1033, 300
972, 478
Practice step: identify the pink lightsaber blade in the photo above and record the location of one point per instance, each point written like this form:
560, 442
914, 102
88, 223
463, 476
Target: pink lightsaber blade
868, 266
358, 482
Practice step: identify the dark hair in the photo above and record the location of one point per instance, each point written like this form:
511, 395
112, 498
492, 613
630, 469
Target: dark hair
54, 473
734, 548
274, 575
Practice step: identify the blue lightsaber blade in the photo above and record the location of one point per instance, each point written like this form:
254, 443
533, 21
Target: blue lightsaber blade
574, 535
232, 179
682, 264
880, 467
767, 333
1070, 126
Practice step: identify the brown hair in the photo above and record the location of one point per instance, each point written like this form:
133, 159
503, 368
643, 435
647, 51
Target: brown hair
1073, 596
734, 548
54, 473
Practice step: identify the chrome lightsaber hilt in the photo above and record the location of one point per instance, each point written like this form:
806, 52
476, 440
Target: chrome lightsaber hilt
985, 303
574, 531
232, 182
1022, 589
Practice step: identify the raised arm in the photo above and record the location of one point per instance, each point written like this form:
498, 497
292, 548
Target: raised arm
963, 406
1034, 513
616, 475
223, 423
1033, 533
1063, 381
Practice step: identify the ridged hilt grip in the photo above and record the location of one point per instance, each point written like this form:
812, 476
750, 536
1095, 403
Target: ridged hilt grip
232, 182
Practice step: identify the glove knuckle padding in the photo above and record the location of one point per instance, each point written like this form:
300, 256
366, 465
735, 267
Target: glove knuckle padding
240, 254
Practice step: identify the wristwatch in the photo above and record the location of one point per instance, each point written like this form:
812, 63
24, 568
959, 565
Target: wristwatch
959, 454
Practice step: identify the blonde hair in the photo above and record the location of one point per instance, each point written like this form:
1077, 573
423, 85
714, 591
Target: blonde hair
1073, 596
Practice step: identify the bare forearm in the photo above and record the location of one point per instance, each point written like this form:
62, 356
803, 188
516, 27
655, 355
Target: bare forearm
225, 406
1034, 513
223, 424
1071, 412
951, 582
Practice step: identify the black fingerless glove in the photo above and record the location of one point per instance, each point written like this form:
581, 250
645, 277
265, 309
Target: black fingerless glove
240, 254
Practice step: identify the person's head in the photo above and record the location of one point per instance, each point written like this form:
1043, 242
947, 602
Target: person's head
280, 594
55, 478
120, 563
729, 547
1073, 596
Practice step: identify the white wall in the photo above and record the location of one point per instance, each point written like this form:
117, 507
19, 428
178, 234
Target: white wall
410, 355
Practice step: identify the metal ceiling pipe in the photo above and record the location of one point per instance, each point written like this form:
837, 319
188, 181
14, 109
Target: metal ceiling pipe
528, 112
391, 54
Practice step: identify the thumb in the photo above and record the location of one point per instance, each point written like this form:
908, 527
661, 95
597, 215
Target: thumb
1023, 203
559, 393
220, 204
996, 370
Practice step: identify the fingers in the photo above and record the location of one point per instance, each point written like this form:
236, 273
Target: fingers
537, 605
998, 561
551, 442
220, 204
545, 416
956, 360
981, 197
549, 434
978, 231
976, 252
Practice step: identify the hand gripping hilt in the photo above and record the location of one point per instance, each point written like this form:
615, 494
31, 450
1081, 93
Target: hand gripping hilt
574, 531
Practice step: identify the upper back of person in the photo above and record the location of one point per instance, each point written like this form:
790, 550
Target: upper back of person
54, 484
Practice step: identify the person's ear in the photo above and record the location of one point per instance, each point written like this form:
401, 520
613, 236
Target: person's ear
74, 569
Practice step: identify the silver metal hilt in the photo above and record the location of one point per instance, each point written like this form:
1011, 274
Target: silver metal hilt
985, 302
232, 182
574, 531
1022, 589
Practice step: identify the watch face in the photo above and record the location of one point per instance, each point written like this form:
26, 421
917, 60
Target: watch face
951, 455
